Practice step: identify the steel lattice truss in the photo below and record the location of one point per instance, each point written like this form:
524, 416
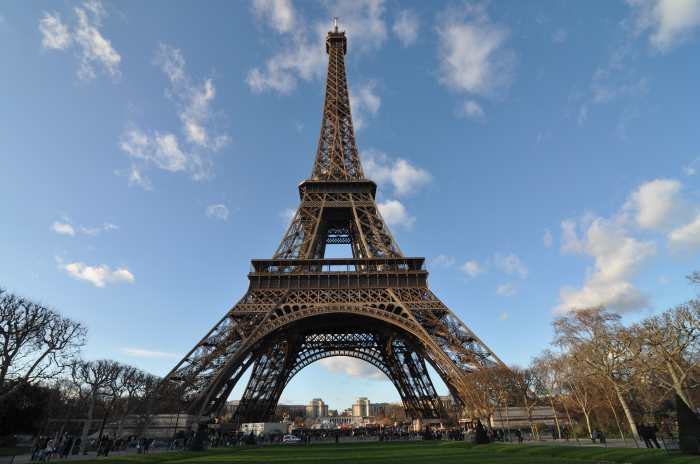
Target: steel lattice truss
301, 307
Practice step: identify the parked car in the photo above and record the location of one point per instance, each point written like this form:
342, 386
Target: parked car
291, 439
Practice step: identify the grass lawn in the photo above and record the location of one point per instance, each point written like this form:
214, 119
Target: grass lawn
411, 452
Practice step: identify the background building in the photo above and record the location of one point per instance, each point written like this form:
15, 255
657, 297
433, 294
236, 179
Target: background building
362, 408
316, 408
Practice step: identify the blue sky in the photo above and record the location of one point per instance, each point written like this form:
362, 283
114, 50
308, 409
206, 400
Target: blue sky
542, 156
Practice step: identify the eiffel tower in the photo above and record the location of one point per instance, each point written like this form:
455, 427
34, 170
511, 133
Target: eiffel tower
301, 307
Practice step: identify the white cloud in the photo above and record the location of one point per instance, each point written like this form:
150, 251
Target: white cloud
394, 213
442, 261
193, 100
96, 230
353, 367
609, 83
401, 174
547, 239
63, 228
217, 211
472, 268
362, 20
503, 316
54, 33
406, 27
143, 353
559, 36
582, 115
279, 14
137, 177
300, 58
94, 50
364, 102
161, 150
618, 258
657, 204
668, 22
301, 53
472, 59
510, 264
690, 169
165, 150
472, 110
100, 275
686, 237
570, 242
287, 215
507, 289
66, 228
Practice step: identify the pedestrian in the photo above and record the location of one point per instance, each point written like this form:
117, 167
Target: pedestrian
50, 448
519, 435
601, 437
644, 433
651, 431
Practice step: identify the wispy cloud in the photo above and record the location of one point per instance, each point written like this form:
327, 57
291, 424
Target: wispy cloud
442, 261
365, 103
166, 150
144, 353
406, 27
507, 289
218, 211
64, 227
287, 215
510, 264
472, 268
93, 50
472, 57
547, 239
279, 14
298, 56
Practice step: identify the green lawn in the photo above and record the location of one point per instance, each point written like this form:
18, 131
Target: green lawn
411, 452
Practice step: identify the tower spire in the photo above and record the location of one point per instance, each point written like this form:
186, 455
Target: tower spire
337, 157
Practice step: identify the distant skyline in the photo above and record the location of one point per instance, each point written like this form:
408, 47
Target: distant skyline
542, 156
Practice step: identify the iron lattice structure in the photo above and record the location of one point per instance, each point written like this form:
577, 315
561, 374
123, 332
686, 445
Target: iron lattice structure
301, 307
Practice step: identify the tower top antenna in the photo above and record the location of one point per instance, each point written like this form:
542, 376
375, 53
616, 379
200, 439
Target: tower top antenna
335, 23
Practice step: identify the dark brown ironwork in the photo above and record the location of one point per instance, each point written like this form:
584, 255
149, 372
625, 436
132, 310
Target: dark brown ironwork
301, 307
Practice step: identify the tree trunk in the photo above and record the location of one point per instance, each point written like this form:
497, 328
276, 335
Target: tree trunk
556, 419
87, 423
617, 421
678, 387
571, 424
120, 429
588, 423
628, 412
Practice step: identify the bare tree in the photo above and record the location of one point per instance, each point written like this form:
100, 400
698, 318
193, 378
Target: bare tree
96, 379
597, 340
670, 348
524, 384
133, 381
36, 343
547, 381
